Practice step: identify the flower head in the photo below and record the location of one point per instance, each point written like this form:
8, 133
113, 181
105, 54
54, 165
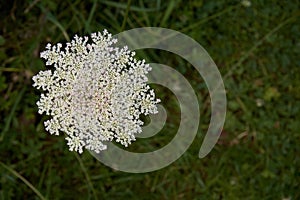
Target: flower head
95, 93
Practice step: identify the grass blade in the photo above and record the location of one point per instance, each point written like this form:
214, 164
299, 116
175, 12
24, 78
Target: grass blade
10, 116
126, 15
124, 6
15, 173
86, 175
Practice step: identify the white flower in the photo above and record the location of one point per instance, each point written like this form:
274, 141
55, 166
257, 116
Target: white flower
95, 93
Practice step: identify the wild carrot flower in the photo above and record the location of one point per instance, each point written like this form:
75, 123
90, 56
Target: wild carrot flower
95, 92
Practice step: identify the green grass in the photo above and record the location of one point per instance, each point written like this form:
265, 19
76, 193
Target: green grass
257, 52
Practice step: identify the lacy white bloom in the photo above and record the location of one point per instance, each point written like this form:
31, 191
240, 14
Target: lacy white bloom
95, 93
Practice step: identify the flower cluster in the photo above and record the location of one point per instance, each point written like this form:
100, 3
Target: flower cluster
95, 93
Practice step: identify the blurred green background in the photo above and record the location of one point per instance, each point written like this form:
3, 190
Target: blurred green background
256, 48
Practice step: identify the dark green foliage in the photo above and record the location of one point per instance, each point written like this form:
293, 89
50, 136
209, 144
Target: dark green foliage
257, 51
